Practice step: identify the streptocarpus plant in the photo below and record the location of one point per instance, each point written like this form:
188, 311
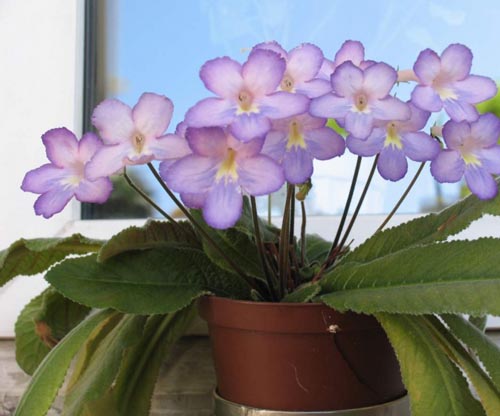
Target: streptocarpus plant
262, 129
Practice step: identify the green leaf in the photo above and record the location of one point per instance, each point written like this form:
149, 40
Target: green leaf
152, 234
317, 248
479, 343
103, 367
50, 375
479, 321
161, 280
453, 277
304, 293
29, 257
42, 324
426, 229
435, 385
269, 233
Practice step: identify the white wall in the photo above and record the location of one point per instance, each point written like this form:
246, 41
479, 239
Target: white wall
41, 57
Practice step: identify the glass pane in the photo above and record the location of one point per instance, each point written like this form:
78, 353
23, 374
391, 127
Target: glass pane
159, 46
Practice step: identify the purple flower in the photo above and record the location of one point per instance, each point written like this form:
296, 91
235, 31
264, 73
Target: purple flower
302, 66
351, 50
445, 82
472, 151
133, 136
360, 97
247, 98
395, 141
296, 141
57, 182
223, 168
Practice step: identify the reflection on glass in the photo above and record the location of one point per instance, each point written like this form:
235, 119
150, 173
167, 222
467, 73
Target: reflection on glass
159, 46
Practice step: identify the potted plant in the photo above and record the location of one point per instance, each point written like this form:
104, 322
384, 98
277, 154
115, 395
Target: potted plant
115, 307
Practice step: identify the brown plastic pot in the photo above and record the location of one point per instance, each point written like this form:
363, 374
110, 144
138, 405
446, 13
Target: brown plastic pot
299, 357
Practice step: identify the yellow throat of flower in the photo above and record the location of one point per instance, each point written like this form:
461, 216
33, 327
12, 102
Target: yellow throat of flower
295, 137
227, 169
392, 138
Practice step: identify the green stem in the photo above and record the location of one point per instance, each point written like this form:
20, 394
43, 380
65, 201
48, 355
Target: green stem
260, 248
284, 243
292, 214
146, 197
360, 202
405, 194
346, 208
303, 233
269, 207
200, 228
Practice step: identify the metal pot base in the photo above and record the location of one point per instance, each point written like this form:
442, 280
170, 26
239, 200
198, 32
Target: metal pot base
399, 407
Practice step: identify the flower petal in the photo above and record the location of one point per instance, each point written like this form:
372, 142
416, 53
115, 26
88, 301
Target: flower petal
480, 182
223, 205
152, 114
169, 147
330, 106
392, 164
192, 174
314, 88
245, 149
304, 62
210, 112
427, 66
448, 166
370, 146
195, 201
486, 130
351, 50
360, 125
61, 146
460, 110
249, 126
475, 89
107, 161
456, 61
490, 159
324, 143
207, 141
222, 76
263, 71
260, 175
455, 133
298, 165
97, 191
274, 145
43, 179
390, 108
419, 146
52, 202
283, 104
88, 146
379, 80
426, 98
272, 46
417, 120
347, 79
114, 121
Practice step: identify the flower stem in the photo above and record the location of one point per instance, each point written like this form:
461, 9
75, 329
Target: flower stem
260, 248
346, 208
360, 202
200, 228
284, 243
146, 197
303, 234
269, 206
396, 207
292, 214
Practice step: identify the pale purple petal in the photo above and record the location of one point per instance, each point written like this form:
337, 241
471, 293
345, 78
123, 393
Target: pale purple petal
222, 76
448, 166
419, 146
486, 130
298, 165
417, 121
307, 122
152, 114
107, 161
97, 191
195, 201
245, 149
392, 164
490, 159
274, 145
249, 126
426, 98
263, 71
460, 110
114, 121
480, 182
283, 104
260, 175
211, 112
326, 70
347, 79
61, 146
88, 146
390, 108
314, 88
456, 133
351, 50
379, 80
370, 146
223, 205
360, 125
169, 146
427, 67
330, 106
192, 174
304, 62
456, 61
207, 141
475, 88
324, 143
52, 202
43, 179
272, 46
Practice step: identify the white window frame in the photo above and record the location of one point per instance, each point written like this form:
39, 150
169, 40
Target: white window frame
42, 87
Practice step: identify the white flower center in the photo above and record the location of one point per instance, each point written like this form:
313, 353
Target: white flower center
361, 103
287, 83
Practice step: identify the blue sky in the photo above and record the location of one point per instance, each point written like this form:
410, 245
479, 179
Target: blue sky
160, 46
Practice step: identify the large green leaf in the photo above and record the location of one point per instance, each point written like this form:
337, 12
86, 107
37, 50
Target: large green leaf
304, 293
450, 277
42, 324
50, 375
426, 229
435, 385
103, 367
29, 257
317, 248
269, 233
152, 234
161, 280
